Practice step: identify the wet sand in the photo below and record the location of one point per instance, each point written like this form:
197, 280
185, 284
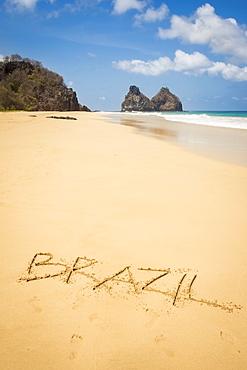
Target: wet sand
222, 144
118, 251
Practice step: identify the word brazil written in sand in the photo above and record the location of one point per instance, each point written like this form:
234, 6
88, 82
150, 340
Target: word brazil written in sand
177, 285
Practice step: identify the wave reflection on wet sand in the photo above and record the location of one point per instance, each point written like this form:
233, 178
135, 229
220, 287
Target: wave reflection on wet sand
223, 144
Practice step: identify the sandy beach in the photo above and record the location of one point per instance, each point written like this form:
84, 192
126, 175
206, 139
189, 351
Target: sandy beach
118, 251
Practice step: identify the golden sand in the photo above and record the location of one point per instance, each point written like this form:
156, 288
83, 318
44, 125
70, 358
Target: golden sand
118, 251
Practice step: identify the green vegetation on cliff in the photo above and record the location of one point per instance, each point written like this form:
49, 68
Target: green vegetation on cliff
26, 85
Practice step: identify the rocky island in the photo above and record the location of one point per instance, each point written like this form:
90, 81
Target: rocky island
26, 85
163, 101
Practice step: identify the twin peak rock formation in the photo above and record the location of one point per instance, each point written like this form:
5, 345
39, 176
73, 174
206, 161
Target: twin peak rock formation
162, 102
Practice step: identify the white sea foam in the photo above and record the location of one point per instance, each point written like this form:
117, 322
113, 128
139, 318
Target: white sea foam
206, 119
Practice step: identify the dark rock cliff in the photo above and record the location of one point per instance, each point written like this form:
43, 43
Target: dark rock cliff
26, 85
161, 102
84, 108
166, 101
136, 101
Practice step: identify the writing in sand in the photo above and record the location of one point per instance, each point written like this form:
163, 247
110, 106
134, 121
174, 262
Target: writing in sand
178, 285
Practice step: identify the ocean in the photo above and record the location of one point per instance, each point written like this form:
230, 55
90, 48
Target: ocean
229, 119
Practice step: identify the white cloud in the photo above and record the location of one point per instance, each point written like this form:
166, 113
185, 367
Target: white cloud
73, 6
20, 4
196, 62
207, 28
102, 98
122, 6
228, 71
150, 68
238, 99
70, 83
54, 14
92, 55
77, 5
193, 64
1, 57
152, 14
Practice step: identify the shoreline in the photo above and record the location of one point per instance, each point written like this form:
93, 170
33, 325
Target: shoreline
201, 118
119, 251
220, 143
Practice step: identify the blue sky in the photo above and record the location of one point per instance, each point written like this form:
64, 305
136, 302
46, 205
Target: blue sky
101, 47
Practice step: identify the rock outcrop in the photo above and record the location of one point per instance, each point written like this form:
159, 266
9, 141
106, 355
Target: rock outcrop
84, 108
63, 99
26, 85
166, 101
162, 102
136, 101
